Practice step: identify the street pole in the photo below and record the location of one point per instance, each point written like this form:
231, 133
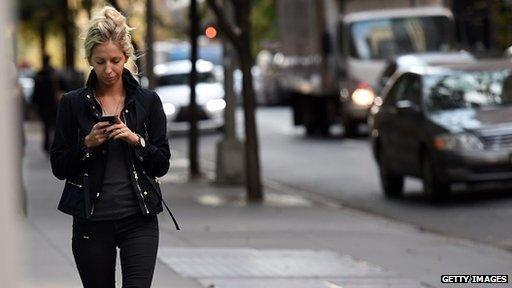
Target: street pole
193, 133
149, 44
230, 150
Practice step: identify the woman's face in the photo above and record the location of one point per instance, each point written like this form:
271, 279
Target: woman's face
108, 61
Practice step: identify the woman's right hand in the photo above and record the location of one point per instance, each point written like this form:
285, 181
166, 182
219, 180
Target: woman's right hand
97, 136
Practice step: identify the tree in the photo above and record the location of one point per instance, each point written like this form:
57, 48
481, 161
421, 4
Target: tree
239, 34
41, 16
264, 23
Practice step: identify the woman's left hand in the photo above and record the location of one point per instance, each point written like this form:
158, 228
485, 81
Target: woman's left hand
120, 131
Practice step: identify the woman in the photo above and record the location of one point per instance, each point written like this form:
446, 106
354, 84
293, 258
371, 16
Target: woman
110, 165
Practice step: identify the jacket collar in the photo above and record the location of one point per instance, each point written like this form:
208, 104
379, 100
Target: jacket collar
129, 82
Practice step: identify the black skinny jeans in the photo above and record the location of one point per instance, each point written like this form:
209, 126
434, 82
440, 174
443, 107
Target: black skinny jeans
94, 247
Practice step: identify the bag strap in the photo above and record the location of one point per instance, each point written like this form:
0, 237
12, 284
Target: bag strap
170, 214
146, 135
169, 211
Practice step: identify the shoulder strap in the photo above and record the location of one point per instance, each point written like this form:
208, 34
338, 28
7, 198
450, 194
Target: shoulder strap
170, 214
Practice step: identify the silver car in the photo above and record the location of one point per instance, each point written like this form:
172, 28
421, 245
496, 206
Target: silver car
172, 85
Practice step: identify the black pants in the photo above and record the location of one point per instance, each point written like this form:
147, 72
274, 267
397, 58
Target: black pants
94, 248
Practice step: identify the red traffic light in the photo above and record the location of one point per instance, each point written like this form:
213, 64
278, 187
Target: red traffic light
210, 32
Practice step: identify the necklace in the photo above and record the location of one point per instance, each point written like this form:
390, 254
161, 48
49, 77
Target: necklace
104, 111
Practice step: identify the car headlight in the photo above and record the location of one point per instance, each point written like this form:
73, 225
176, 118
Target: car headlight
215, 105
363, 96
169, 109
460, 141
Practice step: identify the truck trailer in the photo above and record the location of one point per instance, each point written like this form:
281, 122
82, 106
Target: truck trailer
331, 53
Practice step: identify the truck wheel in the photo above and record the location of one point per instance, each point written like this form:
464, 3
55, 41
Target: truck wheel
392, 183
351, 128
435, 189
310, 129
324, 130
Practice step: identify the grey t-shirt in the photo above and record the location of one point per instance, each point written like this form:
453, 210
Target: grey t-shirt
117, 199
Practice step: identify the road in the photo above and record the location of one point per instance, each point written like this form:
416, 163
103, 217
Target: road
343, 170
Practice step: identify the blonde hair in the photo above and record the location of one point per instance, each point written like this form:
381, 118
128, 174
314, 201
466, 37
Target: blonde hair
110, 25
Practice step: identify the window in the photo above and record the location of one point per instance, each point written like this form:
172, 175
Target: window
397, 90
412, 91
388, 37
468, 90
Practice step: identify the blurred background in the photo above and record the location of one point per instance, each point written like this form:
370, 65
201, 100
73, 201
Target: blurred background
315, 143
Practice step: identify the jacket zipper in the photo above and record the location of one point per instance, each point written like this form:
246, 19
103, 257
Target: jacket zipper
86, 178
136, 176
138, 187
74, 184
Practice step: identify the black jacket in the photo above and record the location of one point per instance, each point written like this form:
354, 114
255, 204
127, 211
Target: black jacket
84, 169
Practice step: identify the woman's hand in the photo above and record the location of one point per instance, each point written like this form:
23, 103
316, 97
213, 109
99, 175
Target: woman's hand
97, 136
120, 131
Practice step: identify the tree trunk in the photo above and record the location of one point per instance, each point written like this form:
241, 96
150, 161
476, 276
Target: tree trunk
240, 37
193, 133
87, 4
42, 38
69, 37
253, 183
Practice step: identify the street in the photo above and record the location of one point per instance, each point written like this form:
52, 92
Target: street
344, 170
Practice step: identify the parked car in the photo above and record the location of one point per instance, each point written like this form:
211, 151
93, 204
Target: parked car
172, 85
26, 82
445, 124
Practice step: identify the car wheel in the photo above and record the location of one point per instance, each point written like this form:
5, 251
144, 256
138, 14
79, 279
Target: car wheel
392, 183
434, 188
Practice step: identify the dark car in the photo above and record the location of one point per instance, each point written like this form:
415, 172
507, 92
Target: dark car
445, 124
420, 59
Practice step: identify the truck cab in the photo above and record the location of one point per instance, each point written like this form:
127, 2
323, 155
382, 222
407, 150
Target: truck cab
332, 53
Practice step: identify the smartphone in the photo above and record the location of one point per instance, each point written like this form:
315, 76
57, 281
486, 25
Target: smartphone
110, 119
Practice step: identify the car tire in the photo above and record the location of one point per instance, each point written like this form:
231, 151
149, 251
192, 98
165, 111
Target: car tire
392, 183
434, 189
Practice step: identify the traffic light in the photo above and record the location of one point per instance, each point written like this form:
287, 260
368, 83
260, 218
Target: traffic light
210, 32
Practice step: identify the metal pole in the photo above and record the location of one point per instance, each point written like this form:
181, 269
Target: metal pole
193, 133
149, 44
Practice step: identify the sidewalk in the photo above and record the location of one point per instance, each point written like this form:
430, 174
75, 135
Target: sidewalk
290, 241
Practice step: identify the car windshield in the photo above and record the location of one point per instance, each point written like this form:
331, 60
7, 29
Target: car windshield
182, 79
385, 38
459, 90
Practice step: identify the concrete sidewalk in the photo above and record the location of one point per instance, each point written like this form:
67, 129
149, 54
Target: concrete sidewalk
289, 241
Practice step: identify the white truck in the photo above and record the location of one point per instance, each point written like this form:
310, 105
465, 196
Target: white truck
331, 52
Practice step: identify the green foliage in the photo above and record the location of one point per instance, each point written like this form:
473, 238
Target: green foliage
264, 23
502, 23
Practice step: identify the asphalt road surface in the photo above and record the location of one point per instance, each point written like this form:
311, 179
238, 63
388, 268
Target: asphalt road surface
342, 170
